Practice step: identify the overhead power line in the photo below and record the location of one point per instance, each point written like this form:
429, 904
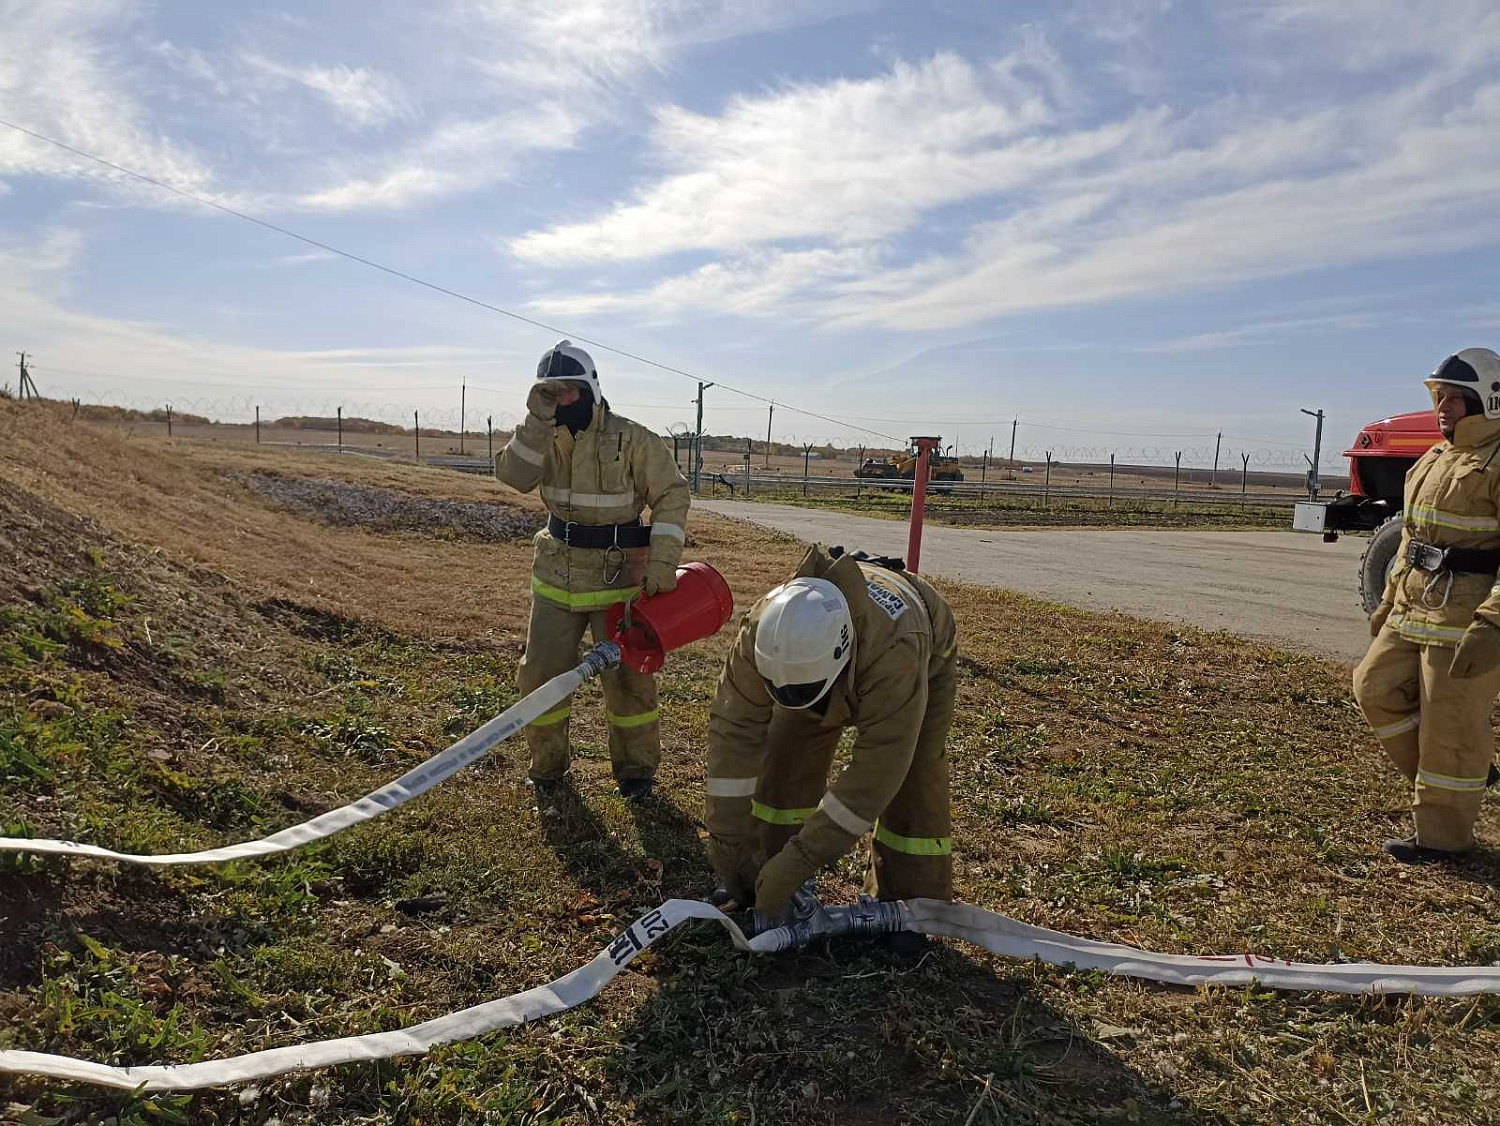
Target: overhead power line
434, 286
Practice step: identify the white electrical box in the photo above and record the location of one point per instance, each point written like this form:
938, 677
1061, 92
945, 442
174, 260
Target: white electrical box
1310, 516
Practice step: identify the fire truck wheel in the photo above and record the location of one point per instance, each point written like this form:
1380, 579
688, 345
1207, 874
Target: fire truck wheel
1376, 563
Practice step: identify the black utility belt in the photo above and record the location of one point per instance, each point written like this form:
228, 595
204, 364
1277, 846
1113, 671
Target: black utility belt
633, 534
1467, 560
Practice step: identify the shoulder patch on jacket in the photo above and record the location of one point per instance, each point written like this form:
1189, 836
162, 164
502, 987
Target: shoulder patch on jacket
888, 600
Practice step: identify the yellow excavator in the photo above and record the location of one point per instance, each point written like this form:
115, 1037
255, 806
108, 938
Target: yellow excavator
903, 467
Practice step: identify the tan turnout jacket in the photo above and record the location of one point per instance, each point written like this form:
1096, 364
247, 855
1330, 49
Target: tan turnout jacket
1452, 500
608, 474
903, 633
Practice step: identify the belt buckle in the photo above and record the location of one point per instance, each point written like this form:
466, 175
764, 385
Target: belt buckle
568, 532
1426, 557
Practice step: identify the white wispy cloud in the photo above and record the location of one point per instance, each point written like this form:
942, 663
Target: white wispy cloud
360, 95
759, 282
850, 161
1061, 207
62, 70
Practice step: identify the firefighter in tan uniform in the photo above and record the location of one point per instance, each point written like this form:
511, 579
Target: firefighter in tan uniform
596, 471
1428, 684
845, 643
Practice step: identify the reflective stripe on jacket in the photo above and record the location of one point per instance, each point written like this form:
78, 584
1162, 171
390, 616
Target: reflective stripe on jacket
608, 473
1452, 500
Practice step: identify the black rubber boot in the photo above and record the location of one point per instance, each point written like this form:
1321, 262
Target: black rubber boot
636, 789
545, 787
1410, 852
1494, 775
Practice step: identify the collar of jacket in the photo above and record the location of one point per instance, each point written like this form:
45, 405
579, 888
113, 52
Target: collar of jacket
845, 574
1474, 432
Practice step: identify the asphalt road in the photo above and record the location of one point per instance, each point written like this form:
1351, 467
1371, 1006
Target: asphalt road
1284, 587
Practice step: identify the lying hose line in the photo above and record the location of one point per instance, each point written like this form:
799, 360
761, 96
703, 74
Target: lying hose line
414, 783
994, 932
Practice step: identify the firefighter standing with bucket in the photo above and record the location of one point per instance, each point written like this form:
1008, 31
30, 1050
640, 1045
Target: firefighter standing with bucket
847, 642
1428, 683
596, 472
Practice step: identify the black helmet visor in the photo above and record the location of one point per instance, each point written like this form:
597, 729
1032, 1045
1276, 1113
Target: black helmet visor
797, 695
559, 365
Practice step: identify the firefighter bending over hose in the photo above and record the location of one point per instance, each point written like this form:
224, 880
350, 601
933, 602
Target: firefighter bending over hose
1428, 683
596, 471
847, 642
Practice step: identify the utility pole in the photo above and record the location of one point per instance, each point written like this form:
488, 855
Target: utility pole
1213, 480
257, 426
1244, 479
1111, 480
1047, 484
416, 429
1317, 457
341, 429
806, 457
489, 430
463, 395
1013, 444
28, 385
698, 443
770, 416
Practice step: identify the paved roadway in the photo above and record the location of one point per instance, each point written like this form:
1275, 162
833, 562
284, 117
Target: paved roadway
1291, 589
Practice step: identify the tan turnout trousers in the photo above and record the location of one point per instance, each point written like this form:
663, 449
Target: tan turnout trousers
630, 707
1434, 728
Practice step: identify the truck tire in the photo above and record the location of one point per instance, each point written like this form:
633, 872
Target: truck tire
1375, 565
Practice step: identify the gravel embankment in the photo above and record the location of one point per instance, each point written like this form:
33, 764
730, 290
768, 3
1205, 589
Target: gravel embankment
388, 510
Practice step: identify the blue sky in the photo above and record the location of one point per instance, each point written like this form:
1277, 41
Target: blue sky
1130, 223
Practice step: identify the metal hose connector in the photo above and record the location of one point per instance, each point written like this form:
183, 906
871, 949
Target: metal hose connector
866, 917
601, 658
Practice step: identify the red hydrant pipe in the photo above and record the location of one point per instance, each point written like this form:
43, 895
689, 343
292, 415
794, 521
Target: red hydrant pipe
918, 502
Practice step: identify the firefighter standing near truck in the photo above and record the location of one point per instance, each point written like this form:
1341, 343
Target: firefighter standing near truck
849, 641
1428, 683
596, 472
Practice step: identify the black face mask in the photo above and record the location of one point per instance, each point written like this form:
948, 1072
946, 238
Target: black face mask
577, 416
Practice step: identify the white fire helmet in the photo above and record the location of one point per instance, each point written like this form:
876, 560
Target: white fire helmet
803, 641
566, 362
1473, 369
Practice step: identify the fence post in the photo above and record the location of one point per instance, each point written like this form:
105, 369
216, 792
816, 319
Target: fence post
748, 451
984, 471
1111, 481
416, 429
1244, 481
806, 457
859, 482
489, 430
257, 426
1047, 484
1176, 477
169, 420
341, 429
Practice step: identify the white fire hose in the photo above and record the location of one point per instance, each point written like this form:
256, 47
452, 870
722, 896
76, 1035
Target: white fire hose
808, 921
993, 932
415, 782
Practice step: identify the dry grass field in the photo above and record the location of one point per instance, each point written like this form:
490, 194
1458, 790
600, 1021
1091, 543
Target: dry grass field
186, 661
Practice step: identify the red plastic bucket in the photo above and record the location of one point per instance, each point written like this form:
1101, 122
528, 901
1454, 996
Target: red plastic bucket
698, 608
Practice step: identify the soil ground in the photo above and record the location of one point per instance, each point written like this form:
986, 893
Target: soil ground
185, 660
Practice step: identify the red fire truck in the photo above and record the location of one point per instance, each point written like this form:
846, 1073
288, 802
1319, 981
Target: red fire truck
1382, 453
